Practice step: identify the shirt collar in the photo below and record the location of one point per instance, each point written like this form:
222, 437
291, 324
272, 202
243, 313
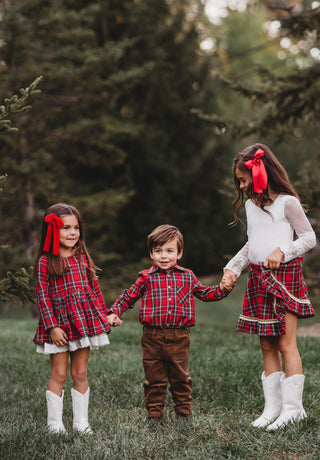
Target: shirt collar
155, 269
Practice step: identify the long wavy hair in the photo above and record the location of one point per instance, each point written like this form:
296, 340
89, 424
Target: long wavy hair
56, 266
278, 181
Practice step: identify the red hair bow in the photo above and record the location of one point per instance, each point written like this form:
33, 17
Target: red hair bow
53, 233
259, 173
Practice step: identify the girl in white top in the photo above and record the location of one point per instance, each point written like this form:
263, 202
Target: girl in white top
276, 294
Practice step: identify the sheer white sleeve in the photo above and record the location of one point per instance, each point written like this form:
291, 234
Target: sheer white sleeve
239, 261
306, 238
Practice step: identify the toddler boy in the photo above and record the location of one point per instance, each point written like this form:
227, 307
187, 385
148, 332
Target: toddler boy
166, 313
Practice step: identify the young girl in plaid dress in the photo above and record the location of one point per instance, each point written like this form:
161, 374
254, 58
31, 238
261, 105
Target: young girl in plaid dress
276, 294
73, 315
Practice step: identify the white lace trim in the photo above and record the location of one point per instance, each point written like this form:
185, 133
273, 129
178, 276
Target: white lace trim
92, 342
304, 243
239, 261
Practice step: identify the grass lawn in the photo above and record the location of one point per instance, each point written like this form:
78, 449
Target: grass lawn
225, 367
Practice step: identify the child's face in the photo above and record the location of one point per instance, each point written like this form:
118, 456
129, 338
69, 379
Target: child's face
166, 256
245, 179
69, 234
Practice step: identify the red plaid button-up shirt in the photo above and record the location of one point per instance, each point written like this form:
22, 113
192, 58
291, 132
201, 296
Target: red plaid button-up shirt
167, 297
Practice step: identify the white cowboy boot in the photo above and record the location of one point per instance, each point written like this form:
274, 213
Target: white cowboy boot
80, 404
292, 408
55, 408
272, 397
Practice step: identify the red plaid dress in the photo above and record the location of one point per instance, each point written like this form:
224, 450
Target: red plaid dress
269, 294
72, 302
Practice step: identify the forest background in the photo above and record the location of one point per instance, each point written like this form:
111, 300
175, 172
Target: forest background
143, 106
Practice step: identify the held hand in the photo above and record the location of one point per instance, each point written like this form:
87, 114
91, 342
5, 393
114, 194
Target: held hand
274, 259
228, 281
114, 320
225, 287
58, 336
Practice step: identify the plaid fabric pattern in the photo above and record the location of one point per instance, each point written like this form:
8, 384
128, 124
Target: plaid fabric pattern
167, 297
73, 302
269, 294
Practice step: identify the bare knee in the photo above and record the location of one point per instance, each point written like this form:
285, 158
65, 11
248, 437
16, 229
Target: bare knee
79, 374
287, 347
59, 376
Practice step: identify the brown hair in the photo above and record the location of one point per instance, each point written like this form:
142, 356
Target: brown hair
278, 180
164, 233
56, 266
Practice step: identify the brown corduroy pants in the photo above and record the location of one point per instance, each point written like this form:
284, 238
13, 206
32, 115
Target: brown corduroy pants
165, 354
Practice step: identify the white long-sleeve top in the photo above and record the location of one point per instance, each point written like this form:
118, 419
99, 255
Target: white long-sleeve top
278, 228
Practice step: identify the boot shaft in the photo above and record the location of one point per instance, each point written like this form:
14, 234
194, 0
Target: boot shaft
292, 407
272, 397
55, 409
80, 404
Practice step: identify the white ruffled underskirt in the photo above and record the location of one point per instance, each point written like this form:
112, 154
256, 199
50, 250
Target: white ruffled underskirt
92, 342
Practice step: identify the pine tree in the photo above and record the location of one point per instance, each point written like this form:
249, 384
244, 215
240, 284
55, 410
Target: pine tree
116, 132
282, 100
17, 284
177, 163
70, 150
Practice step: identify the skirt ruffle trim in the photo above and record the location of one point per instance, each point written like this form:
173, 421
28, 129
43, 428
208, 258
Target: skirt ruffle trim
275, 326
260, 327
93, 343
283, 301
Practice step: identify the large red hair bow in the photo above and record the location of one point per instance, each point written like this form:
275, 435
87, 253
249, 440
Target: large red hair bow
259, 173
53, 233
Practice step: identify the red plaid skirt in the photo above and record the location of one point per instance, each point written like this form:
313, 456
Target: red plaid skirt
269, 294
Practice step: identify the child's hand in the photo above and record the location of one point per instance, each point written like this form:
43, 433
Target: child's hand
274, 259
114, 320
228, 281
58, 336
226, 288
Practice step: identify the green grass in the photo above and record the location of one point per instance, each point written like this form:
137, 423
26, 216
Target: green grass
225, 367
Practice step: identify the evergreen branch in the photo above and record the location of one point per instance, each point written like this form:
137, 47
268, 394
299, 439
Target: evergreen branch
248, 92
16, 104
18, 284
220, 126
2, 181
